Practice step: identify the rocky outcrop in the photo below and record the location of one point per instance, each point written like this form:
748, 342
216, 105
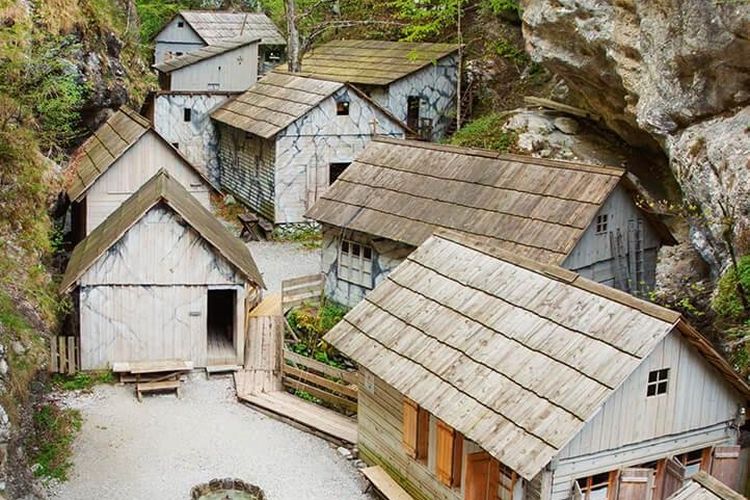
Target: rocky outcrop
669, 75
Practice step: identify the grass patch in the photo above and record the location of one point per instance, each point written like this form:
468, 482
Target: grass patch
82, 381
726, 301
307, 236
486, 133
311, 322
55, 429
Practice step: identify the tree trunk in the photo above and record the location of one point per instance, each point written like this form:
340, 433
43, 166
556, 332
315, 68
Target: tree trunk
293, 44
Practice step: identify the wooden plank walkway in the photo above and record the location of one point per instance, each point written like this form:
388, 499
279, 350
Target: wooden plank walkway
309, 415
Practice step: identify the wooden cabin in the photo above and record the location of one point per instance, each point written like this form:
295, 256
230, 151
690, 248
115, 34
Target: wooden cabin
486, 375
226, 66
288, 137
193, 85
397, 193
115, 162
191, 30
703, 486
416, 81
161, 279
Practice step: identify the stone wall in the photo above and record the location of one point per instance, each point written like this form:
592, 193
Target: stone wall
387, 254
197, 139
436, 84
305, 150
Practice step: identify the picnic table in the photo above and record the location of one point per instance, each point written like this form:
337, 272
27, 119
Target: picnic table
151, 376
254, 228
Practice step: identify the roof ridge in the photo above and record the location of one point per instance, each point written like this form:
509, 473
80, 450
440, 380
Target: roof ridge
483, 245
496, 155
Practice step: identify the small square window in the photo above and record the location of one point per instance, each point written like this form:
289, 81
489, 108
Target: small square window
187, 114
180, 24
355, 263
355, 250
658, 381
342, 108
345, 246
602, 221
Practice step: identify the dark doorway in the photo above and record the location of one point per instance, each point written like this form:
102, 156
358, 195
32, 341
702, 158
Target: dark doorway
335, 170
412, 112
221, 314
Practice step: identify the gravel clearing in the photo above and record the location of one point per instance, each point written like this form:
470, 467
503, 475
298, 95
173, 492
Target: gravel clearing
278, 261
164, 446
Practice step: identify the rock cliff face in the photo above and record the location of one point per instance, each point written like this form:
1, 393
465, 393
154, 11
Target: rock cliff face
669, 75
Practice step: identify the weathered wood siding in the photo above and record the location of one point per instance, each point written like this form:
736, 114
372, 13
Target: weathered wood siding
141, 162
435, 84
380, 421
592, 256
247, 169
632, 429
387, 254
234, 70
174, 39
146, 297
305, 150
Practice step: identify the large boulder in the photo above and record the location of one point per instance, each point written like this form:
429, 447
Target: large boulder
672, 75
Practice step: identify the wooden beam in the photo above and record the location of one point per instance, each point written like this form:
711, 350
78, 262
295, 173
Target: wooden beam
344, 390
558, 106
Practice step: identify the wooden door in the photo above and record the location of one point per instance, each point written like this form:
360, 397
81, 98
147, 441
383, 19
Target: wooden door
636, 484
674, 478
725, 465
482, 473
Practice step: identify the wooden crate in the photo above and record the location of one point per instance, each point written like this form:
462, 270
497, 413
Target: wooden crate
64, 355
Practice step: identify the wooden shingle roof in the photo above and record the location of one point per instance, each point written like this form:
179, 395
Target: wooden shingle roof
704, 487
273, 103
103, 148
159, 189
213, 26
372, 62
514, 354
405, 190
217, 48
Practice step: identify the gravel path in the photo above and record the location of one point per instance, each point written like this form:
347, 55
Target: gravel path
278, 261
164, 446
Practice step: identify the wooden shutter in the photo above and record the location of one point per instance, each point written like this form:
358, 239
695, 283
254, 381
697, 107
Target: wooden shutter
636, 484
674, 477
725, 465
444, 453
423, 434
411, 410
482, 473
458, 452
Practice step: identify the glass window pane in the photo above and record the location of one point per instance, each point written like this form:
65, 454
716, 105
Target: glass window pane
355, 250
345, 246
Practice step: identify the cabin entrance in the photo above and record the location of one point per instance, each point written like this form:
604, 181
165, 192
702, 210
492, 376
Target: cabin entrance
221, 327
412, 112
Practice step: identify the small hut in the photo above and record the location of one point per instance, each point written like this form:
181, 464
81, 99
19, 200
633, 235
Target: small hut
161, 278
490, 376
116, 161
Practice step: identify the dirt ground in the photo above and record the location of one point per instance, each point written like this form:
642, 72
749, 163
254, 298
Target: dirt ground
162, 447
278, 261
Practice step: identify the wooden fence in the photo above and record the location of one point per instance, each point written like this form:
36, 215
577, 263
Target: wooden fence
336, 387
295, 291
64, 355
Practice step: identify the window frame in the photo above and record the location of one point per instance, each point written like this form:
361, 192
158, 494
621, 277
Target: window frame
505, 490
588, 484
659, 385
359, 262
180, 24
342, 108
601, 223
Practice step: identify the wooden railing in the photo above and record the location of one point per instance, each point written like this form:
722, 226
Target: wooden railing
295, 291
334, 386
64, 355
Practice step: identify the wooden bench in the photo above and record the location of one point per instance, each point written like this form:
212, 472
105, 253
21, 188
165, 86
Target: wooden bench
163, 385
384, 484
254, 228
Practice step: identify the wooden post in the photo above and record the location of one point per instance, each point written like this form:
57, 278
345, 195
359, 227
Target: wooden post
71, 355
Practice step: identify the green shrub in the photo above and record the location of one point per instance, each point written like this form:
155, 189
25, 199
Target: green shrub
311, 323
726, 302
82, 380
54, 431
487, 133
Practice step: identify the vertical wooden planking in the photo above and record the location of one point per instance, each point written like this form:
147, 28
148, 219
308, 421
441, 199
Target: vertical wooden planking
71, 355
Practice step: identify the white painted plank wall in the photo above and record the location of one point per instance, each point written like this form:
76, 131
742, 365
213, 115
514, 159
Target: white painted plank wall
142, 323
174, 39
233, 71
132, 170
161, 250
